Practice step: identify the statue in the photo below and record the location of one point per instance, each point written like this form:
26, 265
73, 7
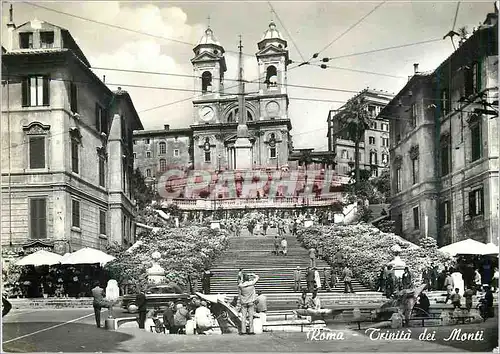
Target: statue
112, 294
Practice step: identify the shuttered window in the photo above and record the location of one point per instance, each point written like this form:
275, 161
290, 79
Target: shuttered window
476, 202
38, 218
35, 91
75, 213
476, 142
37, 152
102, 172
73, 97
416, 218
102, 222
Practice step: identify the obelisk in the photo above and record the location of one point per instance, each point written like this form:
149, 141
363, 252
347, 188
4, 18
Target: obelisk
242, 145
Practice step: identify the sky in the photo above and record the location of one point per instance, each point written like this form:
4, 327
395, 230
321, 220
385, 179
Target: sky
309, 27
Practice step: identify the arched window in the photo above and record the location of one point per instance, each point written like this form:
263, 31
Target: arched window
249, 116
271, 76
231, 116
163, 165
163, 148
148, 173
206, 82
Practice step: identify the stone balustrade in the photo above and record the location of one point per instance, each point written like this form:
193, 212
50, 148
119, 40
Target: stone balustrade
251, 203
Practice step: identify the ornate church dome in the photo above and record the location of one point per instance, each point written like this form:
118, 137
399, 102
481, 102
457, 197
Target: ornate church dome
209, 38
272, 32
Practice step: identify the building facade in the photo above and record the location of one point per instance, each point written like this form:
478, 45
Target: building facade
66, 146
445, 146
374, 148
216, 112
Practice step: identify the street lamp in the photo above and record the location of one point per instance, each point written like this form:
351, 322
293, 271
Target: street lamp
218, 162
277, 160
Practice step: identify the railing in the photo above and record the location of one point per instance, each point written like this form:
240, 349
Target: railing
252, 203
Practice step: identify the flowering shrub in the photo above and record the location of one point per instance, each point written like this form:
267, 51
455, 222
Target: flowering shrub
184, 252
366, 250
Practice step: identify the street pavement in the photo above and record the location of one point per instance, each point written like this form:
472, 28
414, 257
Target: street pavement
74, 330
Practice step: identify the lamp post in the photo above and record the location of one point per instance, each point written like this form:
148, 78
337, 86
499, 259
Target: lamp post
277, 160
218, 162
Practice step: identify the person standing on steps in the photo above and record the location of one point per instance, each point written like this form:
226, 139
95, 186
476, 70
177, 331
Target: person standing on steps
327, 280
347, 275
296, 279
310, 279
284, 246
247, 300
317, 280
205, 280
240, 275
312, 257
276, 246
264, 227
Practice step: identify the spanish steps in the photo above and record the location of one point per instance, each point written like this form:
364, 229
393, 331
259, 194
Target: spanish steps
254, 254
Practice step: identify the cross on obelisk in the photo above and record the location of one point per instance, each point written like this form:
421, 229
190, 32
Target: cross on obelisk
241, 86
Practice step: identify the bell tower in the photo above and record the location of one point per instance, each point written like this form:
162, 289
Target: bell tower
209, 66
273, 62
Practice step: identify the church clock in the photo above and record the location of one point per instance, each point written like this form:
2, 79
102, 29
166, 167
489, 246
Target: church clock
206, 113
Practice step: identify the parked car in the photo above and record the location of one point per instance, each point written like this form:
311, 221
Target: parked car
157, 296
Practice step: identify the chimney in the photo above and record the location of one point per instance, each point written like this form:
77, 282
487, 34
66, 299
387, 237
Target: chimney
415, 68
11, 26
166, 127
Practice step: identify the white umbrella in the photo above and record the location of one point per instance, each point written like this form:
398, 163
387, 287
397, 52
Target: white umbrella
492, 248
468, 246
87, 256
40, 258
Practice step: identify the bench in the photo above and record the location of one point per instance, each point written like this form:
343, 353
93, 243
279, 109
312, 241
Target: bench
463, 318
423, 319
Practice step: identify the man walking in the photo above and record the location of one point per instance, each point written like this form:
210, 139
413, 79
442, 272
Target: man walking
296, 279
98, 295
247, 299
327, 280
140, 301
347, 275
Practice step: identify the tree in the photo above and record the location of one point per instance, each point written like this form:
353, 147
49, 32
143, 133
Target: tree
143, 194
355, 118
382, 184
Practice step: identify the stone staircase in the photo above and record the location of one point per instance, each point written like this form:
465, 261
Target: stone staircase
254, 255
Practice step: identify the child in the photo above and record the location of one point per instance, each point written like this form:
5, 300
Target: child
455, 298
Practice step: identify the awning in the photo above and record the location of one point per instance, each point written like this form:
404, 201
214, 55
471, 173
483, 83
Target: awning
492, 248
40, 258
468, 246
87, 256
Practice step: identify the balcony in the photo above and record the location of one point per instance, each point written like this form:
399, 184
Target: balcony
252, 203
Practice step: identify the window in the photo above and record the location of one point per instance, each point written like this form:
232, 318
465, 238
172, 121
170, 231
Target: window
207, 156
163, 148
476, 202
148, 173
384, 127
148, 154
146, 141
101, 119
271, 76
102, 171
37, 152
385, 142
371, 140
413, 115
135, 156
473, 79
73, 97
415, 172
416, 219
206, 82
385, 158
75, 213
35, 91
163, 165
444, 213
372, 113
375, 172
74, 155
134, 141
398, 180
38, 218
475, 132
272, 152
26, 40
373, 125
445, 155
46, 39
445, 102
102, 222
176, 152
373, 158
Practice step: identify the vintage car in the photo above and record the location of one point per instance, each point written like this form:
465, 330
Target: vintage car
157, 296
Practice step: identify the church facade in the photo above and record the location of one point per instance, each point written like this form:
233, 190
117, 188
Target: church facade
215, 116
